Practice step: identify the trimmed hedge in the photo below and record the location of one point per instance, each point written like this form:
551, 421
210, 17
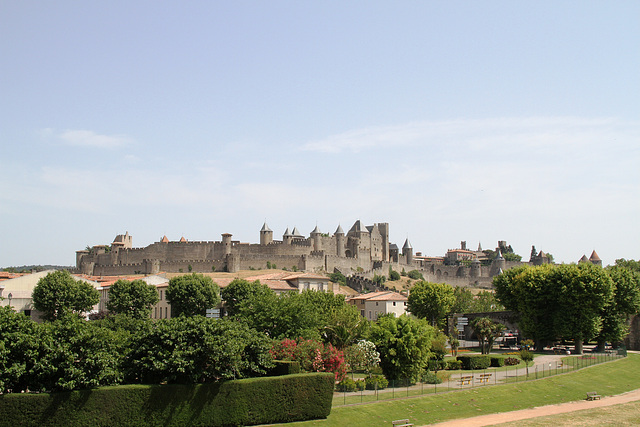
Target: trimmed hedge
475, 362
497, 362
250, 401
284, 367
454, 364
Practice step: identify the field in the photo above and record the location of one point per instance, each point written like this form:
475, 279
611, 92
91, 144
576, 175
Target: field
607, 379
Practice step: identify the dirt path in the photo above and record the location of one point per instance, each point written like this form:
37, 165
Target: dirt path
561, 408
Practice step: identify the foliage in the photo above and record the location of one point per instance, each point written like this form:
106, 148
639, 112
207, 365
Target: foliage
439, 346
243, 402
625, 302
430, 378
454, 364
313, 356
362, 356
415, 275
497, 362
629, 264
346, 385
557, 301
376, 382
240, 295
463, 300
58, 295
487, 331
470, 362
344, 326
511, 361
192, 294
338, 277
134, 298
527, 357
454, 344
403, 343
431, 301
197, 349
486, 302
379, 280
509, 256
393, 275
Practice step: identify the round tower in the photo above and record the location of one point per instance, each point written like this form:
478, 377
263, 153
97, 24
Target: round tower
287, 237
316, 237
226, 242
339, 235
407, 251
476, 268
266, 235
499, 264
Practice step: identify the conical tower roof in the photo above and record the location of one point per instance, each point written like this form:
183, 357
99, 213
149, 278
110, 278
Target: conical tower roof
583, 259
316, 231
165, 239
356, 228
407, 245
339, 230
296, 233
594, 256
287, 233
265, 227
499, 256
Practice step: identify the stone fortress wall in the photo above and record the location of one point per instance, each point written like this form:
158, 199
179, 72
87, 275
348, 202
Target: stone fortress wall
363, 251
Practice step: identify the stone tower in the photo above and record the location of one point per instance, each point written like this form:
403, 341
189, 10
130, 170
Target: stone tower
339, 235
316, 237
287, 237
383, 228
407, 251
226, 241
266, 235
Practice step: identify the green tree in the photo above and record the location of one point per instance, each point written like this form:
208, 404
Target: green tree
134, 298
338, 277
393, 275
485, 302
625, 303
197, 349
527, 357
240, 296
344, 326
556, 301
58, 295
487, 331
192, 294
403, 343
431, 301
415, 274
463, 302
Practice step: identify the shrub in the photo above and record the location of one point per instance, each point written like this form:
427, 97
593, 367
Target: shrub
511, 361
497, 362
312, 355
284, 367
415, 274
346, 385
474, 362
436, 365
430, 378
376, 383
251, 401
360, 385
454, 364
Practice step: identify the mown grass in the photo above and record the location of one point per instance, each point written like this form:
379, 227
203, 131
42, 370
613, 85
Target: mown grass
607, 378
625, 414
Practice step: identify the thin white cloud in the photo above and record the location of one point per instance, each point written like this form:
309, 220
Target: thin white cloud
481, 134
86, 138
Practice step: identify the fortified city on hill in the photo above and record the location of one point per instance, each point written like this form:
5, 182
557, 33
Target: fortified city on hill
363, 251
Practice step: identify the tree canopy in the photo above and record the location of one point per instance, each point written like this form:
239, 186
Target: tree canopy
431, 301
58, 295
403, 343
557, 301
134, 298
192, 294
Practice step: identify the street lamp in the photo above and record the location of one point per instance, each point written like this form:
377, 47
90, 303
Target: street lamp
10, 296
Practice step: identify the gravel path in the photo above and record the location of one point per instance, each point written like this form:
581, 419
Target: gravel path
561, 408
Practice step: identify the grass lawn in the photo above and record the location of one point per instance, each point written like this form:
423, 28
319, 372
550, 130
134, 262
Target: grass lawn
607, 378
626, 414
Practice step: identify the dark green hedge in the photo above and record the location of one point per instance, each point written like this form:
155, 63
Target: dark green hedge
474, 362
497, 362
231, 403
285, 367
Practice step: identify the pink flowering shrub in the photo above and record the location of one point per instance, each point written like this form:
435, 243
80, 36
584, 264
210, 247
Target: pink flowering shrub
312, 355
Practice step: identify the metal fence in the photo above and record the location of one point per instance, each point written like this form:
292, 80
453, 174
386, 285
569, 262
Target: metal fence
468, 379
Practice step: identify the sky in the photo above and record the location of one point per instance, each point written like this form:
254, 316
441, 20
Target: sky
451, 121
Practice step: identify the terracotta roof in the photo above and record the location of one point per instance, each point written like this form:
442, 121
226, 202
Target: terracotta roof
165, 240
381, 296
594, 257
305, 275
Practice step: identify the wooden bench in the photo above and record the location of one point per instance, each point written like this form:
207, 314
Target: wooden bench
465, 380
592, 395
401, 423
484, 378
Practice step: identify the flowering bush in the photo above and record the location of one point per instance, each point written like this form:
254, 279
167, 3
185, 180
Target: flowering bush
511, 361
312, 355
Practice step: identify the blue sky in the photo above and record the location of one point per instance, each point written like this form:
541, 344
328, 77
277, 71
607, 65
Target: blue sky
476, 121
